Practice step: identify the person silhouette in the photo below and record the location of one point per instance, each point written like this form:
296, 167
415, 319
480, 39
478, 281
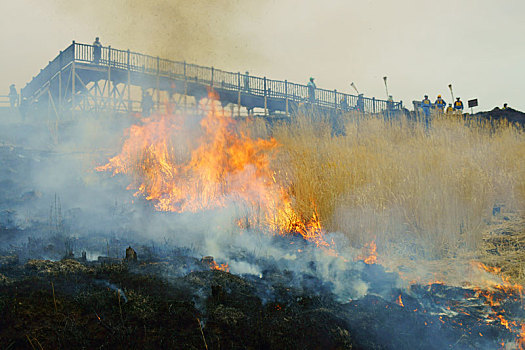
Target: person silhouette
97, 50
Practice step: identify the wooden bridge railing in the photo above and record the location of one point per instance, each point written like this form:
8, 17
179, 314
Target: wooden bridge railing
137, 62
5, 101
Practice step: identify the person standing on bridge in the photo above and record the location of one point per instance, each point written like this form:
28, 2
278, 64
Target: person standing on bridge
360, 104
311, 90
344, 103
390, 103
247, 82
13, 96
147, 103
97, 50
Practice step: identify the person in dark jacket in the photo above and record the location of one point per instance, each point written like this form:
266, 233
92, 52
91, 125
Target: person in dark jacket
458, 105
360, 104
147, 103
440, 104
97, 51
344, 103
13, 96
311, 90
247, 81
426, 104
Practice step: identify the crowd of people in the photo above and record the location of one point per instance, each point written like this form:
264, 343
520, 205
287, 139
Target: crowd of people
439, 106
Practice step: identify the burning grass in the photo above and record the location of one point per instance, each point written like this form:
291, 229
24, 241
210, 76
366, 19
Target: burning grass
401, 194
394, 192
418, 194
413, 194
181, 166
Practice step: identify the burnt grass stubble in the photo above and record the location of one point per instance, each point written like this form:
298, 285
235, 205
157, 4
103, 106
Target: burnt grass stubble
117, 304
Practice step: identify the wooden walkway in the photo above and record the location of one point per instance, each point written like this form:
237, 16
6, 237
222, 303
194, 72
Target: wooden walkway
75, 80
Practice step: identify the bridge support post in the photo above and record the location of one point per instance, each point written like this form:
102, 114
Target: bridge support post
96, 87
60, 89
110, 89
265, 98
239, 94
158, 87
185, 88
286, 94
73, 79
130, 106
110, 92
239, 103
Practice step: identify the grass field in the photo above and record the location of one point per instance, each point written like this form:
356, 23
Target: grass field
421, 195
417, 194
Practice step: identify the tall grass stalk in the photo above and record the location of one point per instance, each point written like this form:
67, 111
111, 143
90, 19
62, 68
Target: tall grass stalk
420, 193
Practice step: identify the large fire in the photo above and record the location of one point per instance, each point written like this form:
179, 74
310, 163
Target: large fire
182, 167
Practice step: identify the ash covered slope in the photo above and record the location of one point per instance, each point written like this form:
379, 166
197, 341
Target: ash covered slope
73, 304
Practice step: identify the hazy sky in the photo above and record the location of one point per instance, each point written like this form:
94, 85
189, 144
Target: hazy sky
421, 46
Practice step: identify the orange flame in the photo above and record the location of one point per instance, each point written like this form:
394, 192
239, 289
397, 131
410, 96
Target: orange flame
369, 255
222, 267
521, 338
399, 301
180, 167
498, 289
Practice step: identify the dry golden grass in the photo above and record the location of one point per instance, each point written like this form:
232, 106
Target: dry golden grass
417, 194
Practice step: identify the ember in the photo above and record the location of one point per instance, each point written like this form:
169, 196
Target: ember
369, 254
399, 302
210, 261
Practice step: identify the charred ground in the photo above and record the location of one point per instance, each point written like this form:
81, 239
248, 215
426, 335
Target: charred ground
71, 304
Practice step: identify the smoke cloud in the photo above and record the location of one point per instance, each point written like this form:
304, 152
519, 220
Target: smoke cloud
204, 32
